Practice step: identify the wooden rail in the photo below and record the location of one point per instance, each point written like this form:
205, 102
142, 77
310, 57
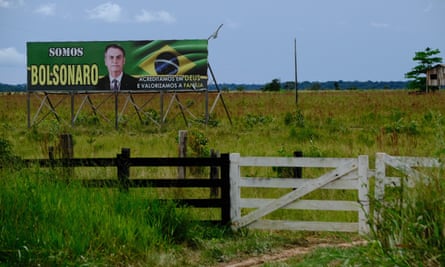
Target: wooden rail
346, 174
123, 162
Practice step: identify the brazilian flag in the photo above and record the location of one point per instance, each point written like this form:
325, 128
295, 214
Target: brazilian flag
169, 57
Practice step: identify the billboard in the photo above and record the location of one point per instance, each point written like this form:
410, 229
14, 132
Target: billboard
155, 65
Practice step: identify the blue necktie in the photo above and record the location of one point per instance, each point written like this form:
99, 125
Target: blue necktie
115, 88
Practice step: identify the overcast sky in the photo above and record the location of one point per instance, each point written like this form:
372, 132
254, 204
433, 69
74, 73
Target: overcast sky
336, 40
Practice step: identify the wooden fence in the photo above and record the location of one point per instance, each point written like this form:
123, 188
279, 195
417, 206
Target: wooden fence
123, 162
406, 165
408, 168
344, 174
348, 174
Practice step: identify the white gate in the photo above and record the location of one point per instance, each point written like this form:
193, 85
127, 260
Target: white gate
406, 165
348, 174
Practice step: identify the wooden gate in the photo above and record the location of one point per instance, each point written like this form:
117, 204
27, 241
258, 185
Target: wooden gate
406, 165
347, 174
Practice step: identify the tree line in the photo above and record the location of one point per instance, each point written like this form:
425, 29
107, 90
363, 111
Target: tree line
277, 85
306, 85
425, 60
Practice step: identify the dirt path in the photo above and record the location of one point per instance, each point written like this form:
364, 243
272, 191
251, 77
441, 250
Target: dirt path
288, 253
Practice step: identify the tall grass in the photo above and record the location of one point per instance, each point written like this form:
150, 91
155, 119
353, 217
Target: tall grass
410, 230
327, 123
44, 220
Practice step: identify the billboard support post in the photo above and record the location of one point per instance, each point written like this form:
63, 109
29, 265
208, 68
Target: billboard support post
72, 108
161, 107
207, 107
218, 96
116, 109
28, 107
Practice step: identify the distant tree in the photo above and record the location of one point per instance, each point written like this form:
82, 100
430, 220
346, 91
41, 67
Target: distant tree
426, 59
336, 85
289, 86
240, 88
316, 86
275, 85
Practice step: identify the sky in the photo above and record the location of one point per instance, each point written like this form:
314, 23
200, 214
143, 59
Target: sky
349, 40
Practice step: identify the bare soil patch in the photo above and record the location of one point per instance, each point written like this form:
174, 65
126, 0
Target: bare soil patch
288, 253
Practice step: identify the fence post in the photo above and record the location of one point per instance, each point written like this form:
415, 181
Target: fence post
214, 173
379, 189
363, 194
123, 169
225, 189
298, 171
51, 156
66, 149
66, 146
51, 152
380, 176
235, 192
182, 150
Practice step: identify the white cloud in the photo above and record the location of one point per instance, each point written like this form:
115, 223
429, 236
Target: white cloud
108, 12
10, 3
11, 57
47, 10
428, 8
4, 3
155, 16
379, 25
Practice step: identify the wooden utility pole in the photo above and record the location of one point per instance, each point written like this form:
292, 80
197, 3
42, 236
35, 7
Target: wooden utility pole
296, 78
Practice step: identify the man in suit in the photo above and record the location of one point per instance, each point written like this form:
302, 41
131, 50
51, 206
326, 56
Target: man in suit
116, 80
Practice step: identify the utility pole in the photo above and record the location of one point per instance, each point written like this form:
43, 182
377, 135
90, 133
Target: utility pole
296, 77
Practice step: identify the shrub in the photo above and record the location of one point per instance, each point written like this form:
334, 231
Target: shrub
198, 146
254, 120
5, 150
296, 118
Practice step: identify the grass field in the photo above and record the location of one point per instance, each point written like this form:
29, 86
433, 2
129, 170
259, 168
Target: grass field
323, 124
332, 123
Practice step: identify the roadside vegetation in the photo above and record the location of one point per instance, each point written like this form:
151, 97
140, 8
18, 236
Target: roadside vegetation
46, 221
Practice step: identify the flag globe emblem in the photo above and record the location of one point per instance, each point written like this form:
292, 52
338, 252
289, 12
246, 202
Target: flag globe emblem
166, 63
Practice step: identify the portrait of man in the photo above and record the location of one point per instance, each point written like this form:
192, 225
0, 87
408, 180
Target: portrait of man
116, 80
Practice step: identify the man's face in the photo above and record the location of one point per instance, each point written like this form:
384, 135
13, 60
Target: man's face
114, 60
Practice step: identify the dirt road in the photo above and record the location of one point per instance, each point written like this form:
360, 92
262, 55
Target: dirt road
288, 253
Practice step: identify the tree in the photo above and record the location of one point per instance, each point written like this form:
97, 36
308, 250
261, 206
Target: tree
275, 85
336, 85
316, 86
426, 59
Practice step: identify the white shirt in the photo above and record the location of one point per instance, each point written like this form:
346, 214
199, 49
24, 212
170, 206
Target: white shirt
118, 78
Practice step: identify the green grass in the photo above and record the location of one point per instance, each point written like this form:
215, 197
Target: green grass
412, 225
44, 220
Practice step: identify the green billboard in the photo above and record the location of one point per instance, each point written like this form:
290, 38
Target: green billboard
171, 65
